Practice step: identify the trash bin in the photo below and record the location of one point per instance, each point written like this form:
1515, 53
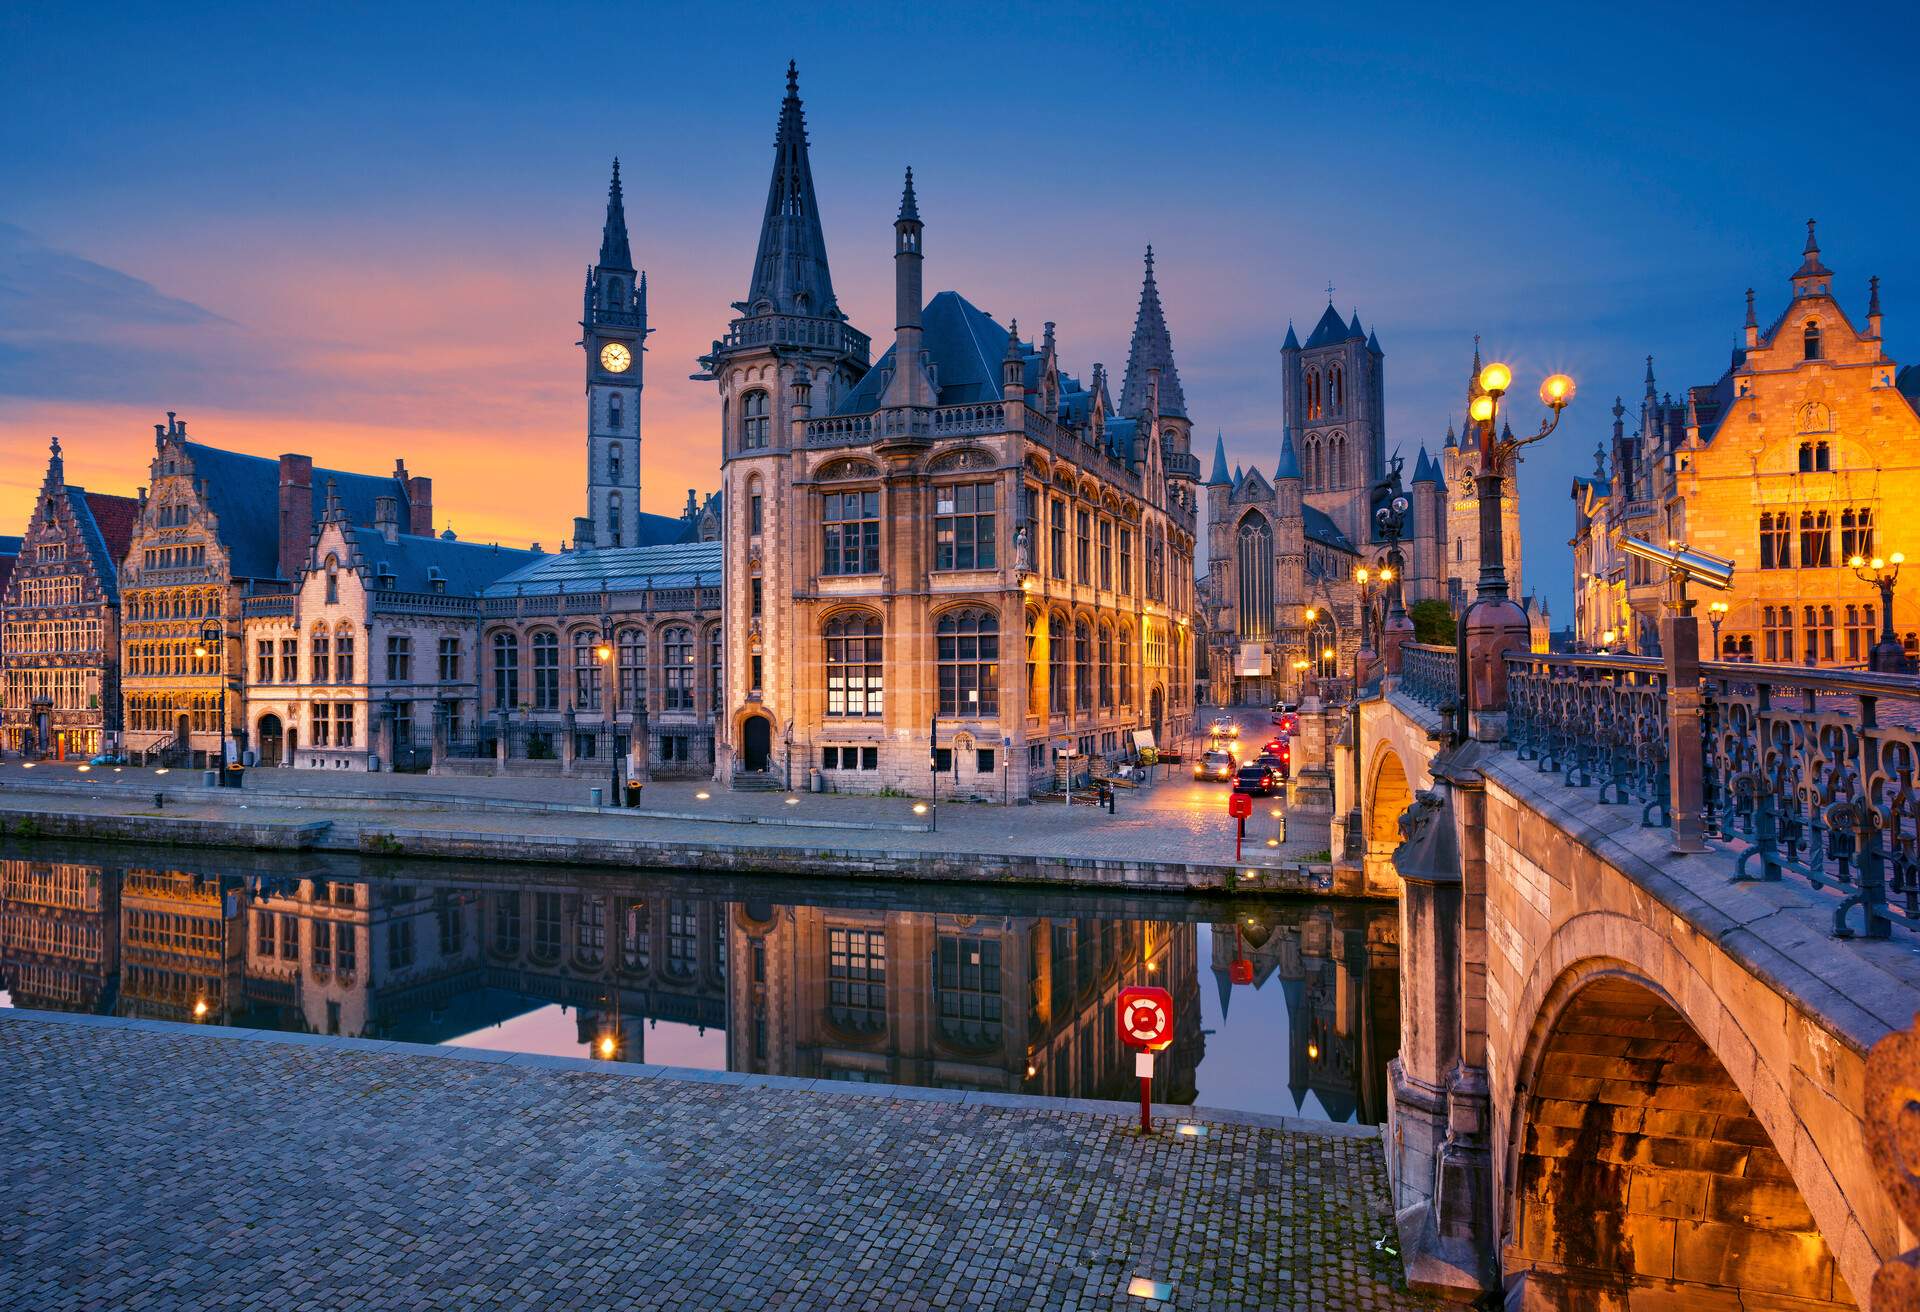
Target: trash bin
816, 782
599, 796
211, 779
633, 792
236, 776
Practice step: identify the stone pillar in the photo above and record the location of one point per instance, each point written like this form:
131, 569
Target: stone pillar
567, 723
1495, 626
1686, 780
1399, 632
439, 737
502, 745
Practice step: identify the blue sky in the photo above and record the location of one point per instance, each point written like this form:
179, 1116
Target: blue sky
360, 232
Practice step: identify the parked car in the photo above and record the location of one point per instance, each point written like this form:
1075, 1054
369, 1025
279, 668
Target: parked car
1254, 779
107, 758
1280, 762
1214, 764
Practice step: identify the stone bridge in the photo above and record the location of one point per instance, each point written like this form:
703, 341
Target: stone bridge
1626, 1080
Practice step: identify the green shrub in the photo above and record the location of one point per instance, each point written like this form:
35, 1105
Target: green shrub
1433, 622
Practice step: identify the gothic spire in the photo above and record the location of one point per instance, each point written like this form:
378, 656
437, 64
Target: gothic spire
1751, 321
1289, 466
909, 207
790, 267
614, 252
1810, 266
1219, 477
1152, 348
1650, 388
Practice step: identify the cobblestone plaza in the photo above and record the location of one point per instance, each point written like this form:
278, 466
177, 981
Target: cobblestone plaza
238, 1170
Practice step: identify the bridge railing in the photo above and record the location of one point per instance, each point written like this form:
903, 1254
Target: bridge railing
1810, 772
1430, 674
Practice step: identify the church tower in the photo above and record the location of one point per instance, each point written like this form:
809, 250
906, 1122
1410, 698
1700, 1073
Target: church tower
613, 329
1334, 398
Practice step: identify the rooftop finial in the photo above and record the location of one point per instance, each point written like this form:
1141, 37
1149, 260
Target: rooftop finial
909, 208
1813, 247
55, 445
1751, 321
1149, 259
793, 78
1873, 294
1650, 376
1329, 293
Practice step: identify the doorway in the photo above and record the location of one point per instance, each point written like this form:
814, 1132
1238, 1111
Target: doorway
756, 742
270, 740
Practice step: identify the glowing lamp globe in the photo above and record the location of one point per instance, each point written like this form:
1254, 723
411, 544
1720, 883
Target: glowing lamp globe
1856, 562
604, 652
1496, 378
1386, 576
1556, 391
1362, 575
1481, 409
1879, 563
1897, 558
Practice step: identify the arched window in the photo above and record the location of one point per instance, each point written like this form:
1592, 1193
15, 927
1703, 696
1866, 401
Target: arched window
343, 654
1313, 393
716, 672
546, 670
1106, 667
755, 511
506, 671
1126, 664
613, 463
1034, 701
633, 669
676, 660
1253, 566
614, 506
616, 420
636, 938
755, 422
321, 661
1082, 667
855, 665
1338, 376
333, 581
967, 648
1057, 640
586, 670
1322, 648
1811, 339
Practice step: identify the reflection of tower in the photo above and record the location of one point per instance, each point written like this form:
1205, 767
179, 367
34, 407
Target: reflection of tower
59, 934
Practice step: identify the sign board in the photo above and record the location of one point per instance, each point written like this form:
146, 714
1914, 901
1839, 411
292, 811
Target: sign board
1255, 662
1143, 739
1146, 1017
1239, 805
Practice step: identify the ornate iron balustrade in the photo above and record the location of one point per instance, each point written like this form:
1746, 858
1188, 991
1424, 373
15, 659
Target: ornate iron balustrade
1429, 674
1814, 772
797, 330
279, 604
839, 432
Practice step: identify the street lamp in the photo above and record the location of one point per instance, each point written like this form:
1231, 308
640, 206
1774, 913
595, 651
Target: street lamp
1497, 458
604, 653
1717, 612
1606, 641
213, 636
1887, 656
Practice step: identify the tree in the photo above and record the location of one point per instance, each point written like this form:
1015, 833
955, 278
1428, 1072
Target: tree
1433, 622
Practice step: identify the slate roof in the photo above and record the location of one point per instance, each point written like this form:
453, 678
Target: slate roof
1331, 328
1219, 475
467, 567
1289, 466
965, 347
1320, 528
681, 565
106, 525
244, 492
790, 266
1292, 343
1907, 382
665, 530
1424, 470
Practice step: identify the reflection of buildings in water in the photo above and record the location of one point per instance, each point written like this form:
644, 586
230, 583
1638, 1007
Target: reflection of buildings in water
1001, 1003
180, 945
59, 935
620, 960
1339, 971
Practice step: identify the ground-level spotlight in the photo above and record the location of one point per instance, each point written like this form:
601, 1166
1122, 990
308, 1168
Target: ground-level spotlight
919, 808
702, 795
793, 801
1157, 1290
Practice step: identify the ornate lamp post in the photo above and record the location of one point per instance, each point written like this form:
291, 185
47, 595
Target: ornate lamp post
1496, 625
1887, 656
1607, 640
604, 653
1716, 613
213, 637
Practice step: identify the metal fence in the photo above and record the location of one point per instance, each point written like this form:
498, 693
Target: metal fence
1803, 771
1429, 674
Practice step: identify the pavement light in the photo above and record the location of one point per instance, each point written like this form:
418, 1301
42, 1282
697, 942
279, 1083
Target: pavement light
1191, 1131
1273, 842
161, 770
793, 801
702, 796
1158, 1290
83, 768
919, 808
26, 765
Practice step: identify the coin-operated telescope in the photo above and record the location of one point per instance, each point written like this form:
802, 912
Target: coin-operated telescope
1683, 565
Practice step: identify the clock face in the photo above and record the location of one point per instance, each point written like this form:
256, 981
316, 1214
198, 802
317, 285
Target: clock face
615, 358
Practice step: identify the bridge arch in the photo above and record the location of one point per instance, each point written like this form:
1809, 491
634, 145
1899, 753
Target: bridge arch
1389, 792
1650, 1150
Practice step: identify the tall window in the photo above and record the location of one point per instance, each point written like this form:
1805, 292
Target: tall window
1810, 339
1082, 667
855, 664
633, 668
1313, 393
1322, 649
506, 671
1338, 378
1816, 539
1776, 541
322, 656
546, 670
449, 660
716, 676
1777, 622
263, 661
1106, 668
616, 420
586, 670
857, 979
967, 991
754, 421
1126, 665
753, 505
1034, 705
1106, 555
963, 527
614, 504
399, 658
289, 660
613, 461
1126, 561
850, 533
1083, 547
1253, 562
333, 581
676, 658
1058, 640
1818, 622
1856, 532
967, 647
342, 655
1057, 539
1860, 632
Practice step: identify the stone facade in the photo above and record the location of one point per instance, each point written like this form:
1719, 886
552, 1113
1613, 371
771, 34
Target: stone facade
59, 622
1798, 457
373, 656
893, 533
216, 528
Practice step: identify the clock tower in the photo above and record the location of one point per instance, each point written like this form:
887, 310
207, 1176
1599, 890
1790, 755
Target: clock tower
613, 329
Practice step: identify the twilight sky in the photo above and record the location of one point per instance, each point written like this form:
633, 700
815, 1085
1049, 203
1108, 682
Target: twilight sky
361, 233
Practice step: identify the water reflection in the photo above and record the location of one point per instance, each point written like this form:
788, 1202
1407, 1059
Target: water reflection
973, 989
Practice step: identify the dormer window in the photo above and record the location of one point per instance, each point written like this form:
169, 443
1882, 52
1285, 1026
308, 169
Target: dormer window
333, 581
1811, 340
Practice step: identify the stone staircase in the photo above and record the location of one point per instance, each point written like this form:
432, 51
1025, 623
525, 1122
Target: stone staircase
756, 781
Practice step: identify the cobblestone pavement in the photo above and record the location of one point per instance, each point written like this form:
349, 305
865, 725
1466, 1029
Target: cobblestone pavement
1173, 819
157, 1167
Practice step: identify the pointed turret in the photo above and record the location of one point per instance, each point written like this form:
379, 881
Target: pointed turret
614, 251
1293, 342
1354, 330
1373, 344
1239, 477
1424, 468
910, 385
1811, 276
1652, 393
1152, 348
1289, 466
790, 273
1219, 477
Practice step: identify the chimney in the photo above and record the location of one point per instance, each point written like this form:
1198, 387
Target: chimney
296, 514
420, 506
582, 532
386, 517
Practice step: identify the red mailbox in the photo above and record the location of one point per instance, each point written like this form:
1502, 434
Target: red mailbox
1239, 805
